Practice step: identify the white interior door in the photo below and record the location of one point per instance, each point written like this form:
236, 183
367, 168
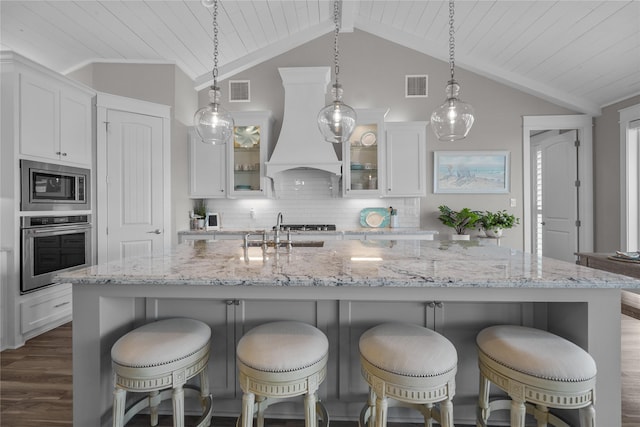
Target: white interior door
555, 195
135, 185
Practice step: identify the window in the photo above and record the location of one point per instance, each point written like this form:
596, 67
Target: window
630, 177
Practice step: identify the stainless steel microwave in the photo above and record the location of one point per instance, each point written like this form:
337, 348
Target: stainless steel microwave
54, 187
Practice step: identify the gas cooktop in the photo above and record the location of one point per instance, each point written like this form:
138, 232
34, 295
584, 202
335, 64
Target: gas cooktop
307, 227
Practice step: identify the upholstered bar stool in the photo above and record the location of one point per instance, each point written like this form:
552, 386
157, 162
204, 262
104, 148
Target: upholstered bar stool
538, 370
280, 360
411, 366
159, 358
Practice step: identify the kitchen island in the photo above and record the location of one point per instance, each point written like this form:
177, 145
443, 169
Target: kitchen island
343, 288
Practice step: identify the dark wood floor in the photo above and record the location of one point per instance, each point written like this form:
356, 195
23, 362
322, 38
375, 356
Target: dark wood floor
36, 385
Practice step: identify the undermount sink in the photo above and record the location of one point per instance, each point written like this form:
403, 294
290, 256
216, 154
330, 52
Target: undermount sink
295, 244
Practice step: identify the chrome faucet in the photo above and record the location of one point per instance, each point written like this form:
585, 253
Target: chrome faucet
276, 237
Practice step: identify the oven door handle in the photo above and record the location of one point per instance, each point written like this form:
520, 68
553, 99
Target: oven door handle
59, 229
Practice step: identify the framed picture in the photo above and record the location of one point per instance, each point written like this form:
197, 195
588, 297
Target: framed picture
471, 172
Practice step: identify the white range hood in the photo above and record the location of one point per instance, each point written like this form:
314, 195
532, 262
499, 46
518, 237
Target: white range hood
300, 144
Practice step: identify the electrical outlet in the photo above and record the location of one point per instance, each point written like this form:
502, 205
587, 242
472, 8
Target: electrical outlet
252, 213
512, 203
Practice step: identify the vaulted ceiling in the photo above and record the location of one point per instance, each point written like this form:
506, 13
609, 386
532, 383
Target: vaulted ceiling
579, 54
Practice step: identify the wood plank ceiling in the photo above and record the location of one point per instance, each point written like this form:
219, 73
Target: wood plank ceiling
580, 54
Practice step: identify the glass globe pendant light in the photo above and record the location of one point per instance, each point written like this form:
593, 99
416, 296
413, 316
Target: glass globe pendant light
453, 119
337, 120
213, 123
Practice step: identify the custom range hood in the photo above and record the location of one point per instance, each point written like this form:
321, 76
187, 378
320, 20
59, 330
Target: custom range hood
300, 144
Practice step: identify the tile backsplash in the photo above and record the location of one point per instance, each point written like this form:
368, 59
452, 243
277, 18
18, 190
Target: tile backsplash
308, 197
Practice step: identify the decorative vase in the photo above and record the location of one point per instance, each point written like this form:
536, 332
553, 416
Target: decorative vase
494, 232
460, 237
200, 224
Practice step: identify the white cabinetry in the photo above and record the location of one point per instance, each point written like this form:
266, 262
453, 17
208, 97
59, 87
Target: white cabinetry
207, 166
45, 308
248, 153
363, 156
55, 119
44, 116
235, 169
406, 155
385, 159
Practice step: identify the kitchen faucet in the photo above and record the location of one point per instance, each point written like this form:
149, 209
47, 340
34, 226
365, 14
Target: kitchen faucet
276, 237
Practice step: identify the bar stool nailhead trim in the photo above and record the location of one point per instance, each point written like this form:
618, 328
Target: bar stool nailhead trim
538, 370
159, 358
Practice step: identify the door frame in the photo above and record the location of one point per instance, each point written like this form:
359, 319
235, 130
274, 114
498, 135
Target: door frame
105, 102
584, 125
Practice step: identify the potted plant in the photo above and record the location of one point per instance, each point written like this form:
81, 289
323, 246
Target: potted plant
200, 213
461, 221
494, 222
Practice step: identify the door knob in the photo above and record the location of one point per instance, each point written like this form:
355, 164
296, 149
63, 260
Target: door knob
543, 223
156, 231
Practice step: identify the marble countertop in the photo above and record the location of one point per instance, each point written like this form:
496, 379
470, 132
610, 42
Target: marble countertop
350, 263
354, 231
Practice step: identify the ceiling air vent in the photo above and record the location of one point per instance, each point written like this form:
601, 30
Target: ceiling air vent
239, 91
416, 86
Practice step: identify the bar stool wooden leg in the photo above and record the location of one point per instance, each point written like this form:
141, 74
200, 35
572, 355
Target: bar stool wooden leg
154, 401
518, 412
177, 397
381, 411
248, 400
310, 418
446, 413
541, 413
119, 401
483, 400
588, 416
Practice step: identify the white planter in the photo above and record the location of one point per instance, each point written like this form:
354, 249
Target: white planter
460, 237
496, 232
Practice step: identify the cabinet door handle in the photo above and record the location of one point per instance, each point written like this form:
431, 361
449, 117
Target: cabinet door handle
61, 304
64, 154
58, 153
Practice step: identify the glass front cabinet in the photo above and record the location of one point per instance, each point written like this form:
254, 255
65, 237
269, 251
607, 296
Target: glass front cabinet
247, 154
363, 156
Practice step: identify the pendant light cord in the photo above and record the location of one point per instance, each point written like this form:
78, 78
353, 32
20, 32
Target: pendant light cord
452, 40
336, 50
214, 72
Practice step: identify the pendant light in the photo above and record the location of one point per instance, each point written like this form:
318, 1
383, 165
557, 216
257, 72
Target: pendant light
453, 119
337, 120
213, 123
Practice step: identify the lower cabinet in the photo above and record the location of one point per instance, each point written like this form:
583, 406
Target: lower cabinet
344, 391
45, 309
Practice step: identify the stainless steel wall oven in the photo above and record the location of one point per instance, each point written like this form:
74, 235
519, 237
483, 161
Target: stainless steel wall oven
50, 245
49, 187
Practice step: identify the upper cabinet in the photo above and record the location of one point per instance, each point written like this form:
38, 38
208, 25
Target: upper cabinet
208, 169
55, 119
385, 159
363, 156
248, 153
406, 155
235, 169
